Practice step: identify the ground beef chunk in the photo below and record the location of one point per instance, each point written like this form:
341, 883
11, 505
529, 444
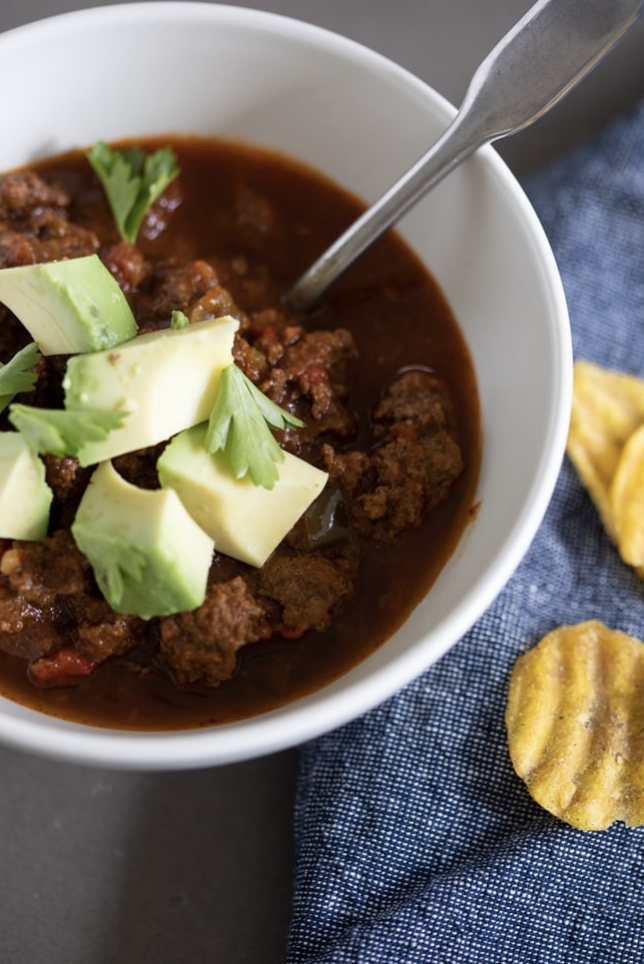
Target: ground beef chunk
202, 646
172, 287
102, 633
250, 360
270, 324
127, 265
413, 466
288, 596
406, 477
417, 398
215, 303
49, 602
271, 332
49, 238
309, 589
34, 226
310, 371
40, 571
36, 579
24, 192
65, 477
25, 630
68, 481
346, 469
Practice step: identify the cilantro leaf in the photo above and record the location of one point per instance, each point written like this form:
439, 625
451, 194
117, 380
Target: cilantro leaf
132, 182
115, 560
15, 376
61, 432
179, 320
239, 427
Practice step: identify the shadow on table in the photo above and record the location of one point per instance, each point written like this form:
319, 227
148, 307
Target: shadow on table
163, 867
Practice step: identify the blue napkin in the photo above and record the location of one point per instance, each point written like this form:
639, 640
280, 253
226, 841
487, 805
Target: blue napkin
416, 841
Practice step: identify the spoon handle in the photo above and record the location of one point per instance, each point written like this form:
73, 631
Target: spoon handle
554, 46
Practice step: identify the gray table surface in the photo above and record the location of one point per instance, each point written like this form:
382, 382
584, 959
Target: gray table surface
100, 867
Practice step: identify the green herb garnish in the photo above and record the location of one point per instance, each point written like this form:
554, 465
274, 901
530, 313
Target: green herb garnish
239, 427
62, 432
15, 376
179, 320
132, 181
116, 559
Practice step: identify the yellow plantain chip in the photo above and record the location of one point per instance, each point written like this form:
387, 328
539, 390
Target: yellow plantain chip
575, 722
607, 408
627, 500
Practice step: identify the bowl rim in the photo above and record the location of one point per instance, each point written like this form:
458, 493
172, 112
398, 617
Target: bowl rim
324, 710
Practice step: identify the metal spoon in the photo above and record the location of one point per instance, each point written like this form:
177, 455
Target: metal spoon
553, 47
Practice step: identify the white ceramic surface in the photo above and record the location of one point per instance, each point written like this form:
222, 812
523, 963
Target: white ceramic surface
140, 68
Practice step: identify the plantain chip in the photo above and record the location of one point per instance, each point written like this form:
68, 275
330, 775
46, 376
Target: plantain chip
627, 500
575, 723
607, 408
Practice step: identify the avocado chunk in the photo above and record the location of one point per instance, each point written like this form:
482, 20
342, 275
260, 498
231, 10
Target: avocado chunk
25, 497
148, 555
246, 521
165, 380
68, 306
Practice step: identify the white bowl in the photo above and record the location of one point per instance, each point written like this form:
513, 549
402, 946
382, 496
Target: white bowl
147, 68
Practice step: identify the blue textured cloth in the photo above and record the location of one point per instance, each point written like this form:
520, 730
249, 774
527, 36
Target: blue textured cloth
416, 841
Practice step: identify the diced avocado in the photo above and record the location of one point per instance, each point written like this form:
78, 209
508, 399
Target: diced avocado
148, 555
68, 306
246, 521
25, 497
166, 380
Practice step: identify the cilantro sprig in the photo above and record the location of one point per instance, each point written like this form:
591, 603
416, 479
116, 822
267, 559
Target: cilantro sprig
132, 181
240, 424
179, 320
16, 377
62, 432
121, 562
